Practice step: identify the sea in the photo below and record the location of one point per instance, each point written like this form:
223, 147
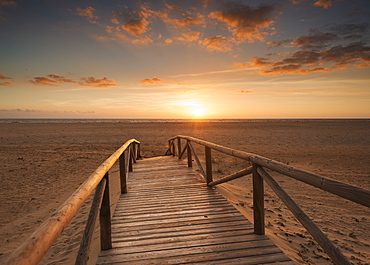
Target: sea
170, 120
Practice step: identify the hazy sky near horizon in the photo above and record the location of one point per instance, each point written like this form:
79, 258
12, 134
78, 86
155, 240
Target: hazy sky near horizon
185, 59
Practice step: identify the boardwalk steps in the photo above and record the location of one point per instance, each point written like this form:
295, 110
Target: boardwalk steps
170, 216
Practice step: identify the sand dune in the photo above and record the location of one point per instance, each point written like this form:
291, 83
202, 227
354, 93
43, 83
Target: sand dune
42, 164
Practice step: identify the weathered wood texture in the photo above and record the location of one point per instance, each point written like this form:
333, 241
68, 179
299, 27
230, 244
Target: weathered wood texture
169, 216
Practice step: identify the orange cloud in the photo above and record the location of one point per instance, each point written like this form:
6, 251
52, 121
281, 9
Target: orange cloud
61, 79
325, 3
51, 80
339, 47
136, 27
3, 82
151, 81
245, 22
189, 36
186, 22
44, 81
88, 13
8, 3
245, 91
97, 82
134, 22
217, 43
144, 40
57, 80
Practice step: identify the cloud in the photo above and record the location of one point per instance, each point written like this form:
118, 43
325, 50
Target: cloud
51, 80
3, 82
44, 81
97, 82
187, 22
57, 80
88, 13
18, 110
321, 3
134, 22
315, 41
325, 3
358, 11
61, 79
152, 81
8, 3
217, 43
246, 23
189, 36
304, 62
136, 27
328, 49
245, 91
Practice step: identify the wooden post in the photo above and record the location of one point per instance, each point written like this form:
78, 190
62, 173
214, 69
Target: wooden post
173, 148
258, 202
138, 152
209, 177
105, 219
133, 153
84, 251
179, 147
122, 173
129, 159
190, 159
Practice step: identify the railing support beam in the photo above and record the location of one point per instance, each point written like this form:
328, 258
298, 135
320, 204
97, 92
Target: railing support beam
209, 177
190, 158
179, 147
258, 202
122, 173
83, 253
105, 218
336, 256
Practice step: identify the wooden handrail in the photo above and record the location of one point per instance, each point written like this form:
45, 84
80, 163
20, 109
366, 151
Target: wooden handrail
33, 249
347, 191
336, 256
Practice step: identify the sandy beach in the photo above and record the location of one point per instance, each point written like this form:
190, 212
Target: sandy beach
43, 163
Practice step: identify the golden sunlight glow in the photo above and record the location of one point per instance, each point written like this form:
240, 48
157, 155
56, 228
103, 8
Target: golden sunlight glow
198, 111
193, 107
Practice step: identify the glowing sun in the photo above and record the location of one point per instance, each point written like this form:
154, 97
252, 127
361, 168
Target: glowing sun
198, 111
193, 107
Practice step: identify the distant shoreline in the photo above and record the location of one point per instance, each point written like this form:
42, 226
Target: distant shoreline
47, 120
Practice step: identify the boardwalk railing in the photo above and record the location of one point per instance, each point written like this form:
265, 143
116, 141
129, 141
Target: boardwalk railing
259, 175
33, 250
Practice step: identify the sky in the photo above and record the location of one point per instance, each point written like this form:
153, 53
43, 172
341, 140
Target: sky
213, 59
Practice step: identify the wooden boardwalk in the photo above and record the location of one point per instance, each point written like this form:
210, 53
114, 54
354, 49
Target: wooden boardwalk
169, 216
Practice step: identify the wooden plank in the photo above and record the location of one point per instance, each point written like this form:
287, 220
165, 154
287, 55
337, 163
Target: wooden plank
174, 208
187, 223
198, 254
170, 216
178, 231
